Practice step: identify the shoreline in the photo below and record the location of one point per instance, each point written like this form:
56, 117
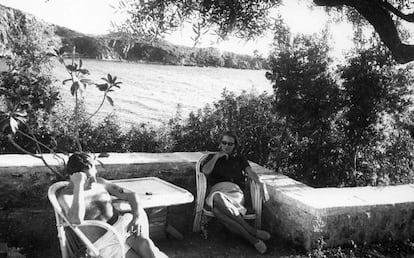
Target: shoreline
158, 63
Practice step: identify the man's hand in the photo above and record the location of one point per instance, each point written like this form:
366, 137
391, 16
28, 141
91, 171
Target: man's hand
265, 193
134, 227
222, 154
78, 178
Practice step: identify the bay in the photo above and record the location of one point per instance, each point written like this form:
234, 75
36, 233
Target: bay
152, 93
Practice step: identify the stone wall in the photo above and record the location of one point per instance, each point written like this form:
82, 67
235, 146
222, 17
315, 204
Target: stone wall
339, 216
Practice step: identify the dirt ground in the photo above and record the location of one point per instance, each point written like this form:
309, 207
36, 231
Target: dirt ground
219, 243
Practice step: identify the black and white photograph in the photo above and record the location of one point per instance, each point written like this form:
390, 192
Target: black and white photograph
206, 128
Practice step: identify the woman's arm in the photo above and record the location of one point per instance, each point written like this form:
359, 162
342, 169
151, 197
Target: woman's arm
252, 175
76, 212
209, 166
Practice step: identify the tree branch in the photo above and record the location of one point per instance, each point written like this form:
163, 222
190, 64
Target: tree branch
379, 17
383, 24
11, 140
331, 3
77, 122
33, 138
97, 110
391, 8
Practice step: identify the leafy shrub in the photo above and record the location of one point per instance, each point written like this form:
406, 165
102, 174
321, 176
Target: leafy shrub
352, 250
141, 138
340, 132
29, 99
308, 99
249, 115
106, 136
88, 47
375, 91
196, 133
27, 95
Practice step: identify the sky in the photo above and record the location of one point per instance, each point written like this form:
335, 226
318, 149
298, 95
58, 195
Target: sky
95, 16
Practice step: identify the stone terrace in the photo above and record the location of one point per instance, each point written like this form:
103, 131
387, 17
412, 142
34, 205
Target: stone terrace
295, 212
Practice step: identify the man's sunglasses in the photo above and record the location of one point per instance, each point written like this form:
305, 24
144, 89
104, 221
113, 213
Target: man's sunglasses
227, 143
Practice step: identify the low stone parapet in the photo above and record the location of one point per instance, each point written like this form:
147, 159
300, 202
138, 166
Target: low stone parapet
338, 216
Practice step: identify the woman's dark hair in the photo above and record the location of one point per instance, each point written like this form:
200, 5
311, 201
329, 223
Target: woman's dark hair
232, 135
78, 162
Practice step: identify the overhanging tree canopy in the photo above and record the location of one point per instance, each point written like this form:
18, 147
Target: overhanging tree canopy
249, 19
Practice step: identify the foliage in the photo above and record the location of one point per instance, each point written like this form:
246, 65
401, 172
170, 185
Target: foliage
86, 46
248, 114
108, 136
208, 57
103, 137
372, 86
249, 19
26, 92
195, 133
29, 43
375, 99
142, 138
343, 132
396, 162
78, 82
152, 19
305, 93
352, 250
29, 99
307, 98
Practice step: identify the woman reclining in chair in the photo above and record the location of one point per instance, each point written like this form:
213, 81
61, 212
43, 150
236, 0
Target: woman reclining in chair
88, 197
226, 199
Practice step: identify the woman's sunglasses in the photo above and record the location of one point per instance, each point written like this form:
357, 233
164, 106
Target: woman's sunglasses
227, 143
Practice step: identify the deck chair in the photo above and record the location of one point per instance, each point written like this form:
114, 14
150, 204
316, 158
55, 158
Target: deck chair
201, 213
70, 236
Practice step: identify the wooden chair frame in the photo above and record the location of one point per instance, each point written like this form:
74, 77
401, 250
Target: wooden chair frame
62, 222
201, 212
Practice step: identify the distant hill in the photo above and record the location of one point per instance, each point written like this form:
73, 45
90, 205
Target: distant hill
118, 46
